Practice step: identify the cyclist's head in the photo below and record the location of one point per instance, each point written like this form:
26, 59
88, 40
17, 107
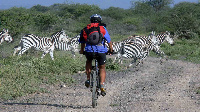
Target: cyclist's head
95, 18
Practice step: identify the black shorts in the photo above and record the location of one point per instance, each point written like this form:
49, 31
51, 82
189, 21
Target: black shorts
101, 57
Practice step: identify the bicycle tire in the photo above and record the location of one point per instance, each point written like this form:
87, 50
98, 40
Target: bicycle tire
94, 90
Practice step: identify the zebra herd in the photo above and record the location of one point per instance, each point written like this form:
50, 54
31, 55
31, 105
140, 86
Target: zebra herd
138, 47
58, 40
135, 47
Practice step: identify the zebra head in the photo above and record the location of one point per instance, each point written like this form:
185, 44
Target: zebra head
5, 36
59, 36
168, 38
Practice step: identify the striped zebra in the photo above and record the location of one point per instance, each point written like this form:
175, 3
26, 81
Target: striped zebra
161, 38
71, 44
157, 40
44, 44
4, 36
136, 51
132, 50
143, 40
136, 47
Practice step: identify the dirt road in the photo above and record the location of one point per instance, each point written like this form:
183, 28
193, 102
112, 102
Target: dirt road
151, 87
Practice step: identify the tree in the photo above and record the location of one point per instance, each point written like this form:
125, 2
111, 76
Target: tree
158, 4
184, 19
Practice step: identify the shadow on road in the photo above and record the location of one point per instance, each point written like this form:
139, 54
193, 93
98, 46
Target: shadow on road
54, 105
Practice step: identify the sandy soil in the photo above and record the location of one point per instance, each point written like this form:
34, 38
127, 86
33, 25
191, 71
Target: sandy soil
151, 87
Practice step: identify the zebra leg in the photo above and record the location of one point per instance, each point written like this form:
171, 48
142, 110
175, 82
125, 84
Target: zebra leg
162, 55
23, 50
16, 49
116, 57
43, 55
133, 61
73, 53
120, 59
51, 54
144, 55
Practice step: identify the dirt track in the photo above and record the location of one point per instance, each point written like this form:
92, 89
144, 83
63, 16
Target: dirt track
151, 87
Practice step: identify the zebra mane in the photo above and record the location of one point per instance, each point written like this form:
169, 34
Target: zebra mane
56, 33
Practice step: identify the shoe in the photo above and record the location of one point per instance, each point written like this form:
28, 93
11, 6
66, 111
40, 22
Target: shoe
87, 83
103, 90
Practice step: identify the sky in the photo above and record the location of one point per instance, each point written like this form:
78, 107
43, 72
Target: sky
126, 4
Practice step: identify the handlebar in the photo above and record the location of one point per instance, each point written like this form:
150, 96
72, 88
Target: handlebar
109, 52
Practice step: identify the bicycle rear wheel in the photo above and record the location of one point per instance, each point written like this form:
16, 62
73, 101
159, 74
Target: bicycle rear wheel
94, 90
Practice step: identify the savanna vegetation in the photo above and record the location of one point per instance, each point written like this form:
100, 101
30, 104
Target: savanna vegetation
25, 75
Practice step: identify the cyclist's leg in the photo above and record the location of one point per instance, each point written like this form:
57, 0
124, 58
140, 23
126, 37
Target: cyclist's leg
102, 66
102, 70
88, 68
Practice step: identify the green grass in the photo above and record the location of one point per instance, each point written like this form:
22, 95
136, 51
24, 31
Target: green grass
24, 75
198, 91
186, 50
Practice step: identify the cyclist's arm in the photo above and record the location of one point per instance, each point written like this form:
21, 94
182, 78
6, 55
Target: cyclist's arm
82, 41
82, 48
110, 47
108, 39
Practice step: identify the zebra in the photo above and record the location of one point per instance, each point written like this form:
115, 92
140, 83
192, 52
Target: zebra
71, 44
132, 50
157, 40
4, 36
135, 50
161, 38
143, 40
44, 44
139, 45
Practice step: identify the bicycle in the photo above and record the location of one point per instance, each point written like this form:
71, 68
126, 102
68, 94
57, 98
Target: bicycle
95, 80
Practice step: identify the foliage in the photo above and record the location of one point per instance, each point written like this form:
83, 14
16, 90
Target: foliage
184, 20
158, 5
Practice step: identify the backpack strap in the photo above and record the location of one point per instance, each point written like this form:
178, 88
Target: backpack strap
100, 35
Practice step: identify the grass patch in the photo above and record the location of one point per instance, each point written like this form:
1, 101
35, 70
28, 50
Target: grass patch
186, 50
24, 75
198, 90
114, 105
112, 66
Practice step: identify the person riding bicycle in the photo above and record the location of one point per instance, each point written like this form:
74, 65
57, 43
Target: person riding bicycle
98, 49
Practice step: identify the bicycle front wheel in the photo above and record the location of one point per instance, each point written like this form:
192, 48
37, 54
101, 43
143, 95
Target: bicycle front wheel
94, 90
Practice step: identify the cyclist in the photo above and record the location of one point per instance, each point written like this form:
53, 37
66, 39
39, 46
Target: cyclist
100, 49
